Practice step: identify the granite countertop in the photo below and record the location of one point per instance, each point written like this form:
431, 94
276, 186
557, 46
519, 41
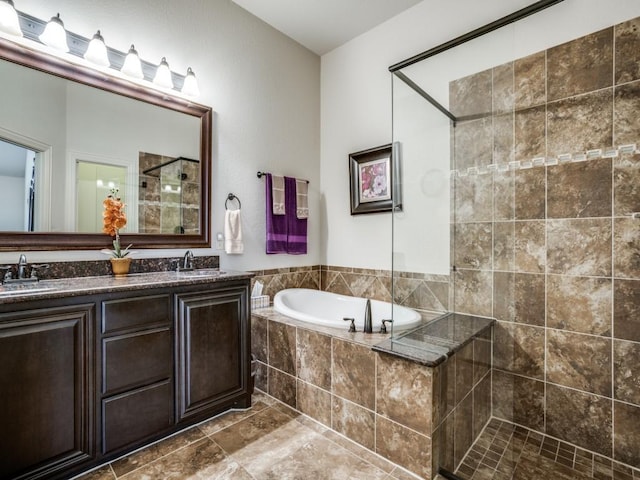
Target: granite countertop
433, 343
76, 286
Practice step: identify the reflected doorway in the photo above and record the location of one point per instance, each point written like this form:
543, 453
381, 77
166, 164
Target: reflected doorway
94, 182
17, 187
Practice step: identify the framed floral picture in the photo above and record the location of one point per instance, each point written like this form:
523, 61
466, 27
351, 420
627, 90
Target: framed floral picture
371, 180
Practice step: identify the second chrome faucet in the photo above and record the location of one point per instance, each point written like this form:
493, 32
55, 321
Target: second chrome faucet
187, 260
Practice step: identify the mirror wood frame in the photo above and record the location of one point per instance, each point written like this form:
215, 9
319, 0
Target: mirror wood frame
25, 241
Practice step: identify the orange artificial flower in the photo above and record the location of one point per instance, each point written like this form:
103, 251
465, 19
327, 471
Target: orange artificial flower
113, 220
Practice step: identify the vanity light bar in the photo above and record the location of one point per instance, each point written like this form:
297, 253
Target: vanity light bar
33, 27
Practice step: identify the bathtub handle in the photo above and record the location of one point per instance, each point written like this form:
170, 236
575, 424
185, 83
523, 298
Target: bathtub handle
352, 327
383, 327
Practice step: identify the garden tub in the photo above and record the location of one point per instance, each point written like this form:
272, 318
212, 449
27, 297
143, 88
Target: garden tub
330, 309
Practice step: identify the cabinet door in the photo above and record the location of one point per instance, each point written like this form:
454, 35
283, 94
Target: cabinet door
213, 363
46, 399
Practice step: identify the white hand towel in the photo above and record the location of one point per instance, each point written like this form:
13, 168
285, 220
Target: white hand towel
233, 232
277, 193
302, 199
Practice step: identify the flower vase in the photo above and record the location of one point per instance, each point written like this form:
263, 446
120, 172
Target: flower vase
120, 266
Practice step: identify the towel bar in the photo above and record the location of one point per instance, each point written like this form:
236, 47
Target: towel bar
262, 174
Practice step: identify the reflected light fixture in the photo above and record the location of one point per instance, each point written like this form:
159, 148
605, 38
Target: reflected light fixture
54, 35
132, 66
97, 51
9, 22
190, 86
163, 75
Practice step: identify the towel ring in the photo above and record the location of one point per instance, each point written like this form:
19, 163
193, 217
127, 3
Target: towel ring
232, 197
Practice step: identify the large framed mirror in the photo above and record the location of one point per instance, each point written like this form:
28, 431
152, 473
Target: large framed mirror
70, 134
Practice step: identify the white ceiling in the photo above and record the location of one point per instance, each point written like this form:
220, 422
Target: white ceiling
322, 25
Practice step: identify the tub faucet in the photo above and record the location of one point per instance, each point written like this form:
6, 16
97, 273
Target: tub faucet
368, 327
187, 260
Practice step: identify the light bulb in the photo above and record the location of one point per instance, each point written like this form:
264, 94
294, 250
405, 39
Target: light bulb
54, 35
190, 86
132, 66
9, 22
97, 51
163, 75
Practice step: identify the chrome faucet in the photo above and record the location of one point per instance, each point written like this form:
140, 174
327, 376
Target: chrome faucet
23, 271
368, 327
22, 267
187, 261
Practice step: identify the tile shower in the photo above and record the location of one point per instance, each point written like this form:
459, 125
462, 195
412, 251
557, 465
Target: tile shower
542, 237
169, 194
547, 244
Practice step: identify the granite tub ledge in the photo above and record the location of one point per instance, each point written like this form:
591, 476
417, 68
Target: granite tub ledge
431, 344
76, 286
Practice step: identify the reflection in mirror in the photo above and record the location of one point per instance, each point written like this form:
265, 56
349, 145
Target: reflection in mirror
94, 182
17, 187
169, 193
82, 138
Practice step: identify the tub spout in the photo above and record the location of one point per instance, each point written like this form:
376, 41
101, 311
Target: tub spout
368, 327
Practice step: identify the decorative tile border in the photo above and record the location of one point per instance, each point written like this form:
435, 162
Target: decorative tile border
561, 159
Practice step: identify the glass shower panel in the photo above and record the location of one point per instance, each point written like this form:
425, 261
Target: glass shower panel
454, 123
421, 199
518, 155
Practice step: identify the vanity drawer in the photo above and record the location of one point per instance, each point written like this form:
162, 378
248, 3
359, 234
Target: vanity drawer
136, 359
135, 416
136, 312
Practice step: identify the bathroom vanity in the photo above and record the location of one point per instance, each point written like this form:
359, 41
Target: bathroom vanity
91, 368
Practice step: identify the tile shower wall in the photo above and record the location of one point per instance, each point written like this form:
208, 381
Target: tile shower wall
548, 245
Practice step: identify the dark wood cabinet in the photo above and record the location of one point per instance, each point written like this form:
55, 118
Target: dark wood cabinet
46, 391
137, 370
85, 379
213, 351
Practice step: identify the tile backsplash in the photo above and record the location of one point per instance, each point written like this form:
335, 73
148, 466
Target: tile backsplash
415, 290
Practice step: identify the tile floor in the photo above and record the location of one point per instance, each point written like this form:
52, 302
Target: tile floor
268, 441
271, 441
507, 452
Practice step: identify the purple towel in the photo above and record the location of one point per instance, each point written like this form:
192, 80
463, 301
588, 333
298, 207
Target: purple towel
296, 227
276, 224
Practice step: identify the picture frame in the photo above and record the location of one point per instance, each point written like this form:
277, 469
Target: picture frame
371, 174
